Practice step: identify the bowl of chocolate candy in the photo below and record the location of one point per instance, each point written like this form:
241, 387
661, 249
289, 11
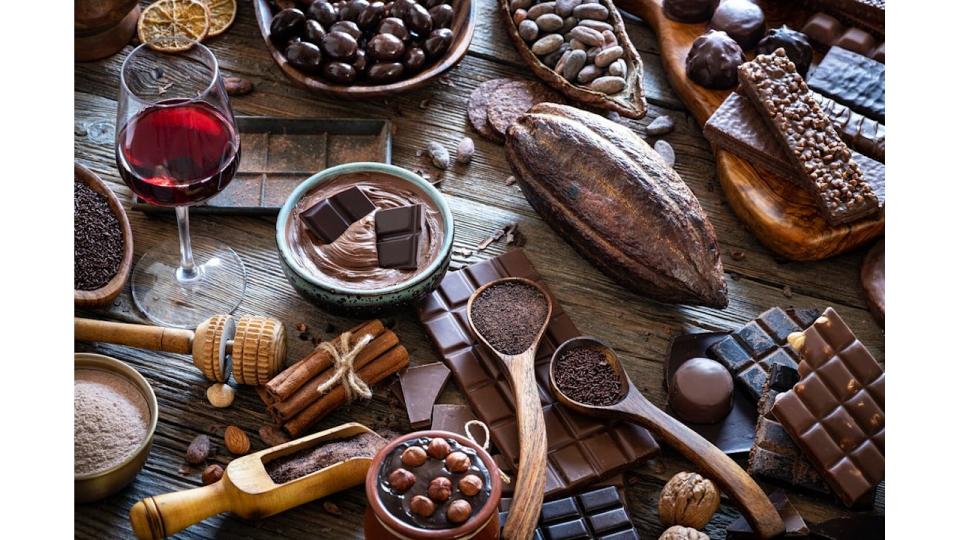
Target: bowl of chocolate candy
364, 238
361, 49
432, 485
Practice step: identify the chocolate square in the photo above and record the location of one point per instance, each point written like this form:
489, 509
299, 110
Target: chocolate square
597, 514
329, 218
399, 236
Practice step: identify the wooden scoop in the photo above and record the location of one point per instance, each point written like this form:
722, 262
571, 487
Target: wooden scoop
733, 480
247, 490
254, 346
532, 434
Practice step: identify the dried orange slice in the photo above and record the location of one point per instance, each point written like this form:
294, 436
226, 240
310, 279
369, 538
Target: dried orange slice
222, 13
173, 25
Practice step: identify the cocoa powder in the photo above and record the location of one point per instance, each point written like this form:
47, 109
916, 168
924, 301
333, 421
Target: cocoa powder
509, 316
584, 375
310, 460
111, 420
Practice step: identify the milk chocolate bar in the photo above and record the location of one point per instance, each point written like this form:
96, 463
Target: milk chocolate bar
751, 351
854, 80
599, 513
581, 450
807, 135
835, 413
398, 236
869, 14
329, 218
861, 133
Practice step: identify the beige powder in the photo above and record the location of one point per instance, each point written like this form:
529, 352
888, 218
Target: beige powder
111, 419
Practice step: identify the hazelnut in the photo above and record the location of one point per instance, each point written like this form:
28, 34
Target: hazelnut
414, 456
678, 532
459, 511
422, 506
211, 474
470, 485
220, 395
440, 489
457, 462
688, 499
401, 480
438, 448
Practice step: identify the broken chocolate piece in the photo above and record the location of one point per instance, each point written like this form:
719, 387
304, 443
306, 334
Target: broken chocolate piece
398, 236
421, 386
792, 520
452, 418
329, 218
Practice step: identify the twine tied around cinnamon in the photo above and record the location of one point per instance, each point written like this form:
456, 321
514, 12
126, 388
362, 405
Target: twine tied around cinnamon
486, 442
344, 373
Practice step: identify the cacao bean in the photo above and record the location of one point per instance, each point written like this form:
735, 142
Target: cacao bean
565, 7
596, 12
547, 44
554, 57
528, 30
561, 62
592, 54
661, 125
237, 86
609, 38
549, 22
608, 56
666, 152
569, 24
599, 26
577, 44
520, 4
199, 450
438, 155
519, 16
588, 36
608, 84
599, 194
618, 68
588, 74
575, 62
540, 9
465, 150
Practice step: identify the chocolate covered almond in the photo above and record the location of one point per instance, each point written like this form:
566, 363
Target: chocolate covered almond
615, 200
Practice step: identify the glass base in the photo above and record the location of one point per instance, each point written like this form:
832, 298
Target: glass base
170, 299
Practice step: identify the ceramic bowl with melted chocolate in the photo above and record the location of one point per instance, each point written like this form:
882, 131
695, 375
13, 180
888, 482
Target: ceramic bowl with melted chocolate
345, 275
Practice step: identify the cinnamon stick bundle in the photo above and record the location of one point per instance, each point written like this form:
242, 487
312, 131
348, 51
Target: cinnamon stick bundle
292, 397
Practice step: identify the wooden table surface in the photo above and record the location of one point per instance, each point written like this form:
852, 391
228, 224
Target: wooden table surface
482, 203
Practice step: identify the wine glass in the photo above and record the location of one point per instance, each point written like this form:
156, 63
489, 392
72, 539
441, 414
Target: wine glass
177, 145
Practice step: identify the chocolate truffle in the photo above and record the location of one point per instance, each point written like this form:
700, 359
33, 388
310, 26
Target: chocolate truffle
794, 43
689, 11
740, 19
713, 60
701, 391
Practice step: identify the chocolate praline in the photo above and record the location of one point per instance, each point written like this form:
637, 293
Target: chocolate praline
794, 43
701, 391
713, 60
742, 20
689, 11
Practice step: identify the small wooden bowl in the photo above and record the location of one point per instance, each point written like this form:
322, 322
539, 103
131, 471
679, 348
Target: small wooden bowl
463, 25
104, 295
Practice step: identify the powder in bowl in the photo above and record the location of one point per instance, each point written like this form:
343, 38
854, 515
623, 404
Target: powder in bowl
111, 420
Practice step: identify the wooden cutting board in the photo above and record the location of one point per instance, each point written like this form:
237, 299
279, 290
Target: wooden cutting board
783, 216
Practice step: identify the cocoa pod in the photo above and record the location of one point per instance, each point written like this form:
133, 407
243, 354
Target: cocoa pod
614, 199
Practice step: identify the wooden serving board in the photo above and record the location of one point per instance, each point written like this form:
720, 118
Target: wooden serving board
783, 216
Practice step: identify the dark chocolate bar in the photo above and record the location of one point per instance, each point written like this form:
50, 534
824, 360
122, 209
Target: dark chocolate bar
750, 352
852, 79
835, 412
582, 450
793, 522
421, 385
600, 514
737, 128
329, 218
774, 455
823, 29
398, 236
812, 145
855, 527
861, 133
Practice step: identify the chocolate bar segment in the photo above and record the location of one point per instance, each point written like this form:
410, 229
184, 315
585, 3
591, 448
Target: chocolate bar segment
600, 514
854, 80
398, 236
835, 413
869, 14
812, 144
582, 450
750, 352
793, 522
421, 385
329, 218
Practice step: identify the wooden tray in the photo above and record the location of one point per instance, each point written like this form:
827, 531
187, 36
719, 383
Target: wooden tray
276, 154
783, 216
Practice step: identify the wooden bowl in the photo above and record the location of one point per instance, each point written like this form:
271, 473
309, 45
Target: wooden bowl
463, 25
104, 295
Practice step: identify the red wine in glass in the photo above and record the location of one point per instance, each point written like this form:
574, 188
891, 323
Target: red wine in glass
178, 152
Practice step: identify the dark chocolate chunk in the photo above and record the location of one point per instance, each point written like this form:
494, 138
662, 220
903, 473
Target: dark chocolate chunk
808, 137
796, 45
792, 520
854, 527
689, 11
398, 236
874, 281
750, 352
421, 386
329, 218
713, 60
835, 413
600, 514
854, 80
742, 20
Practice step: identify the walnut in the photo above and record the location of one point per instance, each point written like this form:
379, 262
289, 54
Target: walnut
688, 499
678, 532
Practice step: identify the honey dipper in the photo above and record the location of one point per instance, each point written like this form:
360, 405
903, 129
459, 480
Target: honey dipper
253, 347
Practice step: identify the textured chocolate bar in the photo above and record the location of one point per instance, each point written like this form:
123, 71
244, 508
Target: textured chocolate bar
737, 128
774, 455
812, 145
329, 218
854, 80
600, 514
581, 450
864, 135
835, 412
750, 352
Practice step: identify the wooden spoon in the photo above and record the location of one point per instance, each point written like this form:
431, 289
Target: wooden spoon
532, 434
733, 480
247, 490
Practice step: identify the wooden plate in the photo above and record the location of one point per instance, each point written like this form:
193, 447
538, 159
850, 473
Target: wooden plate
104, 295
783, 216
463, 25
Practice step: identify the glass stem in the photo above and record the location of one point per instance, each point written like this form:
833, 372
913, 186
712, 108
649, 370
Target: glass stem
188, 269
